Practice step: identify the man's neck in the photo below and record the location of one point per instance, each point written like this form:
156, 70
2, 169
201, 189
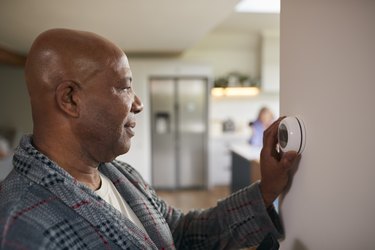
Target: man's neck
71, 160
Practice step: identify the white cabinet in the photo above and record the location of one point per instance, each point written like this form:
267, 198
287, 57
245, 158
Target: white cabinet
220, 158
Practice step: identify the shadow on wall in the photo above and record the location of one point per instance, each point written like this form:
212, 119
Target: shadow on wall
298, 245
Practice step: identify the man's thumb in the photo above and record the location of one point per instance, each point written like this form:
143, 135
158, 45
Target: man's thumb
289, 158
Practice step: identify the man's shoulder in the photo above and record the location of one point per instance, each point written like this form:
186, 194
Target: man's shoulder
14, 186
23, 214
16, 195
27, 210
13, 193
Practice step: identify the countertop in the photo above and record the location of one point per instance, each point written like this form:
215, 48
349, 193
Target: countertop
246, 151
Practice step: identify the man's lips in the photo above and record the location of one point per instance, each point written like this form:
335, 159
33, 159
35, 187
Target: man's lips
129, 126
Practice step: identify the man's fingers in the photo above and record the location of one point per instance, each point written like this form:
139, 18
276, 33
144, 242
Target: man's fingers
270, 135
288, 159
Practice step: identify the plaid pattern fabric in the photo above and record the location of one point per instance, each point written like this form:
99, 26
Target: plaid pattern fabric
65, 235
43, 207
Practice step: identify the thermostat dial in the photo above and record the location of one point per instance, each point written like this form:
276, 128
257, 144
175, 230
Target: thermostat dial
292, 134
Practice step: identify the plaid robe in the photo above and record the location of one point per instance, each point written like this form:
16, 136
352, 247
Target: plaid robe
43, 207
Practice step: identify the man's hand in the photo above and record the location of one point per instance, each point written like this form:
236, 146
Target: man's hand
275, 167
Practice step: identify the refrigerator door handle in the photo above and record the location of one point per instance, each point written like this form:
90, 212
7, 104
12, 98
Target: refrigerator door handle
162, 123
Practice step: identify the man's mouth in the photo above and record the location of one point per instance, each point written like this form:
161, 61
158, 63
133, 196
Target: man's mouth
129, 126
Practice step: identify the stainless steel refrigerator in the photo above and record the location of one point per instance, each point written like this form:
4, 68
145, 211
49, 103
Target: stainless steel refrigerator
179, 121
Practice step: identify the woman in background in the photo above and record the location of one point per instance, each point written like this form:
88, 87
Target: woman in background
265, 118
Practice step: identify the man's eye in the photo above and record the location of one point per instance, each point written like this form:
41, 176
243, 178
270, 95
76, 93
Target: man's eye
128, 88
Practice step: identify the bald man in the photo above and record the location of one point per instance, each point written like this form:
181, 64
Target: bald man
67, 191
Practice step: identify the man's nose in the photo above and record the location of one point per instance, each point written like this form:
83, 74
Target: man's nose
137, 105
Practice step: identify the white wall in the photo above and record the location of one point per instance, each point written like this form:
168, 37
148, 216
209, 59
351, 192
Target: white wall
327, 77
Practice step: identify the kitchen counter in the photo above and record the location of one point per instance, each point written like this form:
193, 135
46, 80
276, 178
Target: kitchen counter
245, 165
220, 167
246, 151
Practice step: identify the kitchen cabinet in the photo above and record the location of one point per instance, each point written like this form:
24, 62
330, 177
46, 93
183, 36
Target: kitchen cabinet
220, 166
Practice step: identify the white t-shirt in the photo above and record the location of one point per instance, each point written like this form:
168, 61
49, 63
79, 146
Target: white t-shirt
109, 193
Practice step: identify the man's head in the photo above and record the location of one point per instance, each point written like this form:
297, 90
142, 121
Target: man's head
80, 87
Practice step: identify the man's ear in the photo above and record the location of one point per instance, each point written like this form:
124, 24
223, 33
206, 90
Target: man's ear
68, 98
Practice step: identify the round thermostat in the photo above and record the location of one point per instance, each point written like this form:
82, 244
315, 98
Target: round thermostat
292, 134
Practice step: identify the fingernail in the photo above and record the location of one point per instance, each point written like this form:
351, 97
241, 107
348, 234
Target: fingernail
291, 157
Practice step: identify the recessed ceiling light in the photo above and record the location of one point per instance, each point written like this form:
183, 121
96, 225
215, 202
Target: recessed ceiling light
259, 6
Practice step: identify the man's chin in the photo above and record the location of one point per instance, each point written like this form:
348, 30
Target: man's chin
120, 151
124, 149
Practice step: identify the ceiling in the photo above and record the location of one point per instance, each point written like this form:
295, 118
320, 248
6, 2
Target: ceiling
137, 26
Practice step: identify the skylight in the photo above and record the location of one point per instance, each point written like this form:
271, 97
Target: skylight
259, 6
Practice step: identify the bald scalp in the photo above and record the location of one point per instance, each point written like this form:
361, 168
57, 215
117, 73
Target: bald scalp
60, 54
60, 63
